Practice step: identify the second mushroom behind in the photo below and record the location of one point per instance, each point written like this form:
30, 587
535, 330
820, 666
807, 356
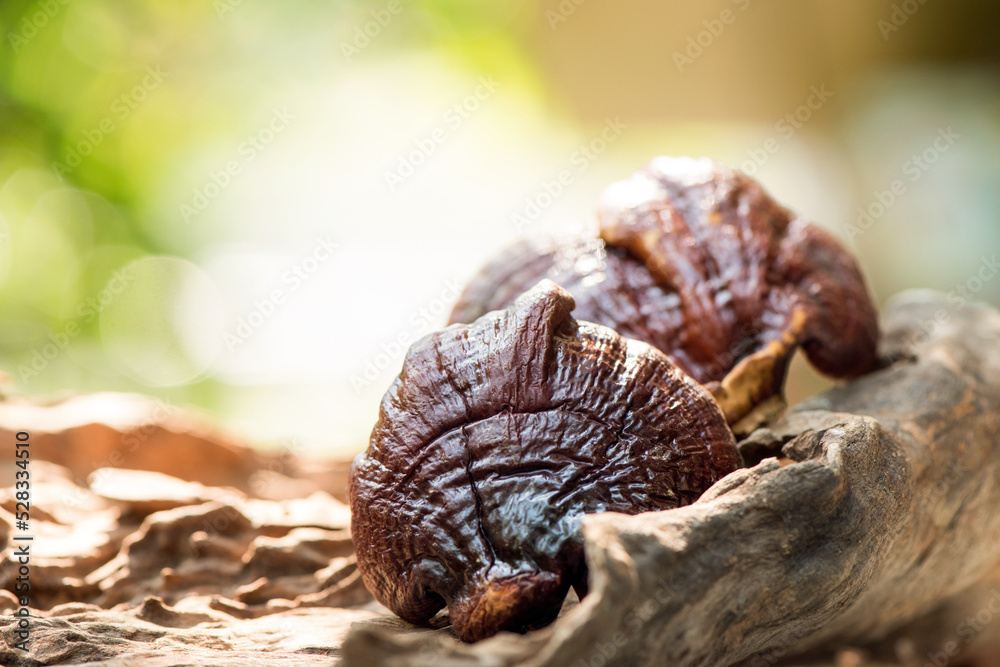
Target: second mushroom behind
699, 261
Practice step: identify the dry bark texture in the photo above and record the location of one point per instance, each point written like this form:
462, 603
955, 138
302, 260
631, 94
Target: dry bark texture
882, 503
868, 519
137, 567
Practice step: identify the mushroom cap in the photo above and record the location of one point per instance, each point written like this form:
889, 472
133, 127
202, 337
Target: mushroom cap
699, 261
497, 437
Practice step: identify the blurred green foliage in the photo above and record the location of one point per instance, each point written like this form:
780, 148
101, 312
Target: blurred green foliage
85, 129
101, 101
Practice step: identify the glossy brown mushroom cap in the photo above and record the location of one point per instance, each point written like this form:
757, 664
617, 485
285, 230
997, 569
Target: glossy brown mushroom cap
698, 260
493, 442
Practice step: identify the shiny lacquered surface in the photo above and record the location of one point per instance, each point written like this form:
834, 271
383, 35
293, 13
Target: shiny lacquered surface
497, 437
699, 261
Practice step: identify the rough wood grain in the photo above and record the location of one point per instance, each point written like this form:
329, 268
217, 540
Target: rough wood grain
871, 506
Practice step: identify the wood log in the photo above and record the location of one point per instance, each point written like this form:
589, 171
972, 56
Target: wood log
866, 509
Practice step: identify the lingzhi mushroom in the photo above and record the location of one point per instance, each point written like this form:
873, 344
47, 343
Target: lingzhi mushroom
495, 439
504, 429
698, 260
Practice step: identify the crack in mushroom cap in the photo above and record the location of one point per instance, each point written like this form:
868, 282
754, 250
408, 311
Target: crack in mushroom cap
698, 260
494, 440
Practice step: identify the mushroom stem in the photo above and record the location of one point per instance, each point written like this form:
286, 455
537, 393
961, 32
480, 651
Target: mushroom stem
517, 603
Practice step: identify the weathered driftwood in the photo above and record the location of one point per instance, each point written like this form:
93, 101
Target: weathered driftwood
870, 506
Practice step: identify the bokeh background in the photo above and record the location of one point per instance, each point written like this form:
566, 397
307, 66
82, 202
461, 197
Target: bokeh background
245, 206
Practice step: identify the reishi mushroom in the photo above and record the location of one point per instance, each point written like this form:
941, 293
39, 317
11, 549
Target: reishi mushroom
699, 261
497, 437
504, 429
